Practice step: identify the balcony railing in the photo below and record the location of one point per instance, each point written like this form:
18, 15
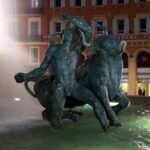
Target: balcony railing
136, 36
30, 38
30, 11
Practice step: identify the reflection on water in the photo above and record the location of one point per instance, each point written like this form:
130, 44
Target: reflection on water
86, 134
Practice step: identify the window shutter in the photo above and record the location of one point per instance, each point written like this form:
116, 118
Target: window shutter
136, 25
63, 25
71, 3
148, 24
105, 23
114, 22
52, 27
114, 2
93, 2
40, 3
126, 1
83, 3
126, 25
63, 3
93, 28
104, 2
34, 55
51, 3
136, 1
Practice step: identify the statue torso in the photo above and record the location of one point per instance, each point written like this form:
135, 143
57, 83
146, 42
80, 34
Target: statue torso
64, 63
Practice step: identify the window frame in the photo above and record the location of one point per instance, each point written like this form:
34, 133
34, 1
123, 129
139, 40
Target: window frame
36, 34
142, 1
34, 19
140, 30
30, 56
58, 33
122, 31
75, 3
120, 3
33, 4
57, 6
96, 3
100, 31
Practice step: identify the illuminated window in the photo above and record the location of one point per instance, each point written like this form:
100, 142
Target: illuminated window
143, 25
143, 60
121, 26
34, 55
36, 3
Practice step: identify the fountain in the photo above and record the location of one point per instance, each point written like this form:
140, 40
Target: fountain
16, 105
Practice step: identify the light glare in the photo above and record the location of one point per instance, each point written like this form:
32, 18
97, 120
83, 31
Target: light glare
17, 99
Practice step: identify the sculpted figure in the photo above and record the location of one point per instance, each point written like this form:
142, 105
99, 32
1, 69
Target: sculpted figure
102, 73
63, 58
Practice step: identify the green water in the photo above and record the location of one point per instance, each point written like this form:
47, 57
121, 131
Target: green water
86, 134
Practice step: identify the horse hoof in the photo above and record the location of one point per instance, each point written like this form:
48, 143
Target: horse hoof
46, 116
106, 128
76, 117
117, 124
56, 125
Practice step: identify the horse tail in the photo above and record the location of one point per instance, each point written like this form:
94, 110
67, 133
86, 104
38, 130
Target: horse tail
26, 84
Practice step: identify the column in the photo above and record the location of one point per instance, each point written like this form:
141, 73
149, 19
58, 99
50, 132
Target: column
132, 76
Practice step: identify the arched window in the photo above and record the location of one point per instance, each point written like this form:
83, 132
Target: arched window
143, 60
125, 60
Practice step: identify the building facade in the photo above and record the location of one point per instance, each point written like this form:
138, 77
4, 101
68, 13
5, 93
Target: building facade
32, 22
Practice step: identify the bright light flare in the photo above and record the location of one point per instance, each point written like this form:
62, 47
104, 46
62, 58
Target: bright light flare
113, 103
17, 99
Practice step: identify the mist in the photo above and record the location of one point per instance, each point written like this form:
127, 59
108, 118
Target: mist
15, 103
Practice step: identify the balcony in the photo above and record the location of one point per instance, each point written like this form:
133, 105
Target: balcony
30, 11
134, 36
30, 38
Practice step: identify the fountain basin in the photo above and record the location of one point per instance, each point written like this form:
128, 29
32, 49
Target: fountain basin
86, 134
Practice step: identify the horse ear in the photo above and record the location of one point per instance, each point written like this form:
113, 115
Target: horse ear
92, 51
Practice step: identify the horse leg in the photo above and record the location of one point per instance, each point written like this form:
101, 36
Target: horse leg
100, 89
83, 94
122, 100
45, 115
